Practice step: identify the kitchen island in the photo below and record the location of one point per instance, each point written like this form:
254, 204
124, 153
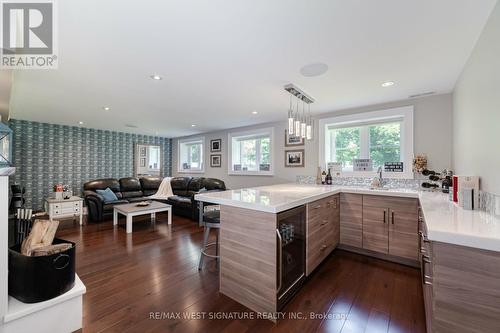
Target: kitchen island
259, 225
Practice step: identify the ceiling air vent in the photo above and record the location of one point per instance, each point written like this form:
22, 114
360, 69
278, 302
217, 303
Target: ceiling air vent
422, 94
131, 126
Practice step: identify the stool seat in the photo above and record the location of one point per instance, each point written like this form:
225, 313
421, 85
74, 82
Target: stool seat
212, 216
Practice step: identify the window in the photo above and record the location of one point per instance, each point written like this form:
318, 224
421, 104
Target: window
190, 155
251, 152
382, 136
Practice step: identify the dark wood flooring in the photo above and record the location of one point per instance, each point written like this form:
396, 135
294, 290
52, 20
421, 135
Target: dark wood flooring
133, 279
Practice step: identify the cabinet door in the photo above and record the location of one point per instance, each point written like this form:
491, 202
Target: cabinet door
351, 219
322, 221
375, 229
403, 228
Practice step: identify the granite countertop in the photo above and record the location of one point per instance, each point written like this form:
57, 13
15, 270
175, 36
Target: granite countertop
446, 222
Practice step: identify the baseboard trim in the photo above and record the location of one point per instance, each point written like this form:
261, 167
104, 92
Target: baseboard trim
387, 257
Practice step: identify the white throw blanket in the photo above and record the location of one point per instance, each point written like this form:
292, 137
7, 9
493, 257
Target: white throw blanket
164, 191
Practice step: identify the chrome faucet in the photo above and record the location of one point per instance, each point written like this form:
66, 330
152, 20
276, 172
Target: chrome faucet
379, 171
378, 182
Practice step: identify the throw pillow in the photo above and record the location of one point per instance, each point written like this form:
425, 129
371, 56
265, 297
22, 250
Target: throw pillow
108, 195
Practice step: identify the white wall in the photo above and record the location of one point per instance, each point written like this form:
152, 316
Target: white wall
476, 110
432, 122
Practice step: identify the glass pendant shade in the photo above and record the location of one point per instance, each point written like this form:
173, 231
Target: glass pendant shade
297, 128
308, 132
290, 122
303, 130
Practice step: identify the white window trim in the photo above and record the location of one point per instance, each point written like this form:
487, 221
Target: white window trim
268, 130
179, 160
405, 112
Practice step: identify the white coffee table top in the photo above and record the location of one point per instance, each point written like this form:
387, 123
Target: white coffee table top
133, 208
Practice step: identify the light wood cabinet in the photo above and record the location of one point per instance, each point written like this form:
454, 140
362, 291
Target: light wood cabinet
403, 228
425, 251
375, 224
322, 230
390, 226
351, 219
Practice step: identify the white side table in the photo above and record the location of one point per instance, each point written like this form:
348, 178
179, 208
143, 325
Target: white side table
61, 208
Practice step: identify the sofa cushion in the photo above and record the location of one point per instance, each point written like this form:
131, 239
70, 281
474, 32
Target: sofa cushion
211, 184
129, 184
138, 199
107, 195
195, 184
150, 184
180, 185
180, 200
102, 184
130, 187
109, 206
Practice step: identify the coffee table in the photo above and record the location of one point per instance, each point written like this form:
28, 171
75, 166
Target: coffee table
131, 210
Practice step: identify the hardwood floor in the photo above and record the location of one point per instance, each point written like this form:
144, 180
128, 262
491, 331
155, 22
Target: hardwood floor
141, 282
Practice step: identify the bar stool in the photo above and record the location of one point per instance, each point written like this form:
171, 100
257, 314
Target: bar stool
209, 220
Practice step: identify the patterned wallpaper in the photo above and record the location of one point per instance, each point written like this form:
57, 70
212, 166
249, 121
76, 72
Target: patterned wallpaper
47, 154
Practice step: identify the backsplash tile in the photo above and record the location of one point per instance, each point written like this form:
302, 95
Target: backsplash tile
364, 181
46, 154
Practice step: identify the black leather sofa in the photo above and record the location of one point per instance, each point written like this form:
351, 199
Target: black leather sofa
131, 189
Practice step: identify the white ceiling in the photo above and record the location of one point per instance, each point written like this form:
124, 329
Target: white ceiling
220, 60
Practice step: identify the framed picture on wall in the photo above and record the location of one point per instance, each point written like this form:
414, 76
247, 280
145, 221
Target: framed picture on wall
142, 163
292, 140
143, 151
294, 158
215, 145
216, 161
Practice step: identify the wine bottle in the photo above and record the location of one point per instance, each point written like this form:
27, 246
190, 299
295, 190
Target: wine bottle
329, 178
323, 177
427, 172
318, 176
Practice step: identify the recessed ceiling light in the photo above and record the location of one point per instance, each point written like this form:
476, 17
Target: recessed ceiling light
80, 123
156, 77
387, 84
106, 108
193, 125
315, 69
254, 112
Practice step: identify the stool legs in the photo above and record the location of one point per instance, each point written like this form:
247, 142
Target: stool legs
206, 245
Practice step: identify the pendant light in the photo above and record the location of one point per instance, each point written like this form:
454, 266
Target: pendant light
290, 118
297, 121
309, 123
303, 122
300, 124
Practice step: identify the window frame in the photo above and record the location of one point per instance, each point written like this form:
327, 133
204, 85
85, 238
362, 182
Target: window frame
400, 114
181, 142
251, 133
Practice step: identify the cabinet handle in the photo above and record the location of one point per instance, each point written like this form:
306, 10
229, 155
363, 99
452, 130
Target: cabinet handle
323, 247
392, 217
324, 222
280, 260
425, 260
420, 238
385, 213
317, 207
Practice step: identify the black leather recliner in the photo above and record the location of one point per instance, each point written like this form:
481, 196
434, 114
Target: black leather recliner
131, 189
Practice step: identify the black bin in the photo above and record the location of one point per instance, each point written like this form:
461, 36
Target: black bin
37, 279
